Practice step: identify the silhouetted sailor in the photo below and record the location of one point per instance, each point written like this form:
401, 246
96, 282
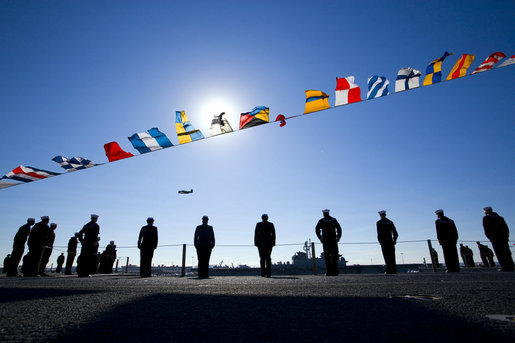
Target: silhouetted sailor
72, 252
102, 266
435, 257
470, 257
387, 237
35, 243
329, 232
7, 260
26, 266
483, 253
490, 256
147, 243
264, 240
498, 233
19, 247
105, 266
107, 259
204, 241
88, 238
463, 255
448, 237
96, 260
48, 245
111, 256
60, 262
467, 255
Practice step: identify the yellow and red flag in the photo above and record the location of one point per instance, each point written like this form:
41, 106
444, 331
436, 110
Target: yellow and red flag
461, 66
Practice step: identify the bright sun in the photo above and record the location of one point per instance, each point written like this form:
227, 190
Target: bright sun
216, 105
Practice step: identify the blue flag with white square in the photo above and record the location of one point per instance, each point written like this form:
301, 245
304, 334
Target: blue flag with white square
150, 140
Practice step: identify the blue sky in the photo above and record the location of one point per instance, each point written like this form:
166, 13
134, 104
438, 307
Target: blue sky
78, 75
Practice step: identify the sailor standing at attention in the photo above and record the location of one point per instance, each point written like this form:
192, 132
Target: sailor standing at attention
72, 251
88, 237
147, 243
264, 240
48, 245
329, 232
387, 237
204, 241
448, 237
498, 233
35, 244
19, 247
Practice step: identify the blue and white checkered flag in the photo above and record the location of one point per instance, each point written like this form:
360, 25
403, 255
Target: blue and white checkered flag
73, 164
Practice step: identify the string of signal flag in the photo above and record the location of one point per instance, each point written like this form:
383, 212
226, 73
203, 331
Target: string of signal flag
346, 92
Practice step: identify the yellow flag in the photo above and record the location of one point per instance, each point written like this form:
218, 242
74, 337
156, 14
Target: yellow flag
316, 101
461, 66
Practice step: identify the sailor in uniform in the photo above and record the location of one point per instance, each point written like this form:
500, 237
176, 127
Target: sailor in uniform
329, 232
447, 237
387, 237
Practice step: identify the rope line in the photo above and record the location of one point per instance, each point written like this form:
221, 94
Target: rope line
296, 116
286, 244
389, 94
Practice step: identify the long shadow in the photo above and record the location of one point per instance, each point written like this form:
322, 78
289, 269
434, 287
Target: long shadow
225, 318
285, 277
8, 295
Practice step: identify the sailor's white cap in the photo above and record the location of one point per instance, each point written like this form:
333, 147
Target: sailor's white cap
150, 218
45, 217
439, 211
382, 212
325, 210
205, 217
31, 219
94, 216
487, 208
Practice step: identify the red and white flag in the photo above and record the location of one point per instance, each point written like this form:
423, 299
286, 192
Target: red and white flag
489, 62
28, 174
346, 91
509, 61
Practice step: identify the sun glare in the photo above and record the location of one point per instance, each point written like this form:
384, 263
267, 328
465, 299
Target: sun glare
216, 105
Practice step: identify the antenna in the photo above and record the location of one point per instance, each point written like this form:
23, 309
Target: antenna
307, 248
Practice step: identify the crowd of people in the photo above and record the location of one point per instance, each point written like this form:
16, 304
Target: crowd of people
496, 230
40, 239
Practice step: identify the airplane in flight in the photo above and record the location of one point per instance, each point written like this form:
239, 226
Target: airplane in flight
186, 192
